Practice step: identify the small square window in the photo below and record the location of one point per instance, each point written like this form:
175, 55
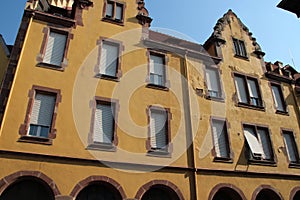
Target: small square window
114, 11
248, 92
258, 143
239, 48
220, 140
279, 102
291, 147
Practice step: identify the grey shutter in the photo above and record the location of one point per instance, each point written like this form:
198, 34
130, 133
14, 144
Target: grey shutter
253, 142
277, 98
104, 124
41, 114
109, 59
55, 49
265, 143
158, 123
241, 89
220, 140
119, 12
290, 143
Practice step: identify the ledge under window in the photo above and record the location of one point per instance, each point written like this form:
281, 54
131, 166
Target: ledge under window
282, 112
36, 140
113, 21
242, 57
220, 99
294, 165
102, 147
50, 66
224, 160
159, 87
108, 77
245, 105
159, 153
262, 162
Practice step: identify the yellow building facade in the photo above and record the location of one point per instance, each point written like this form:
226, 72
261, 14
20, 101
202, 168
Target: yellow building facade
95, 105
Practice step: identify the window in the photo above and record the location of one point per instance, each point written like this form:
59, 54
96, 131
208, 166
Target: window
247, 91
103, 126
278, 98
239, 48
109, 66
213, 82
157, 74
220, 139
53, 53
41, 114
114, 11
291, 147
159, 130
259, 143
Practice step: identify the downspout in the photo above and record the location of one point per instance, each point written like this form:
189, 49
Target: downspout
188, 127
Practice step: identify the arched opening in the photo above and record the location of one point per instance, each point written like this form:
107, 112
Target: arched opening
267, 194
227, 194
297, 196
28, 188
160, 192
99, 191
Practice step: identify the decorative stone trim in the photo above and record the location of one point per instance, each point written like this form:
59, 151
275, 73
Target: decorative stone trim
10, 179
265, 187
166, 183
226, 185
85, 182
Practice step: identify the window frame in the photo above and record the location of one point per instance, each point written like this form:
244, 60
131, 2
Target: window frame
241, 52
113, 18
23, 130
249, 104
295, 147
227, 138
166, 83
99, 145
280, 89
166, 152
40, 58
217, 70
248, 152
120, 46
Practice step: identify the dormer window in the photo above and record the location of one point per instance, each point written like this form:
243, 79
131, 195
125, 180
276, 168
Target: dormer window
239, 48
114, 11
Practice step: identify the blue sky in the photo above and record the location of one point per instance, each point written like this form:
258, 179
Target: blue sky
276, 30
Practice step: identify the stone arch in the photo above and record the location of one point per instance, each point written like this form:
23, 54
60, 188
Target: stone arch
97, 179
153, 183
268, 191
295, 193
226, 187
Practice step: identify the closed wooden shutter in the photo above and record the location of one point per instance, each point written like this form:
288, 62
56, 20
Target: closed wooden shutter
241, 89
41, 114
55, 49
119, 12
253, 142
158, 128
104, 124
278, 99
290, 145
264, 139
109, 59
220, 139
157, 70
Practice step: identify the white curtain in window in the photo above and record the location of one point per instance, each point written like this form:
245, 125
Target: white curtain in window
263, 136
42, 110
55, 49
253, 142
109, 59
119, 12
289, 141
212, 79
220, 140
278, 98
241, 89
158, 130
252, 86
104, 124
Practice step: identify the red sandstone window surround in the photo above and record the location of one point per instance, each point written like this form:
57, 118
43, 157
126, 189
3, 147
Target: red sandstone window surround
114, 11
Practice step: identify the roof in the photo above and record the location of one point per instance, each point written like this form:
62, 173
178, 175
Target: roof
290, 5
4, 46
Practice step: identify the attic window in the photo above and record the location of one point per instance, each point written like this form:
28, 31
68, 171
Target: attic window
239, 48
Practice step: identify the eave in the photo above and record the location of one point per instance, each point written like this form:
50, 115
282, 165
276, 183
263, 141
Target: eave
291, 6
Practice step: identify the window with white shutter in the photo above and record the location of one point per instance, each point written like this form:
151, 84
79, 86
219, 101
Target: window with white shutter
109, 59
114, 11
220, 139
247, 90
291, 147
157, 70
104, 123
213, 82
278, 98
41, 115
259, 143
159, 130
55, 49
